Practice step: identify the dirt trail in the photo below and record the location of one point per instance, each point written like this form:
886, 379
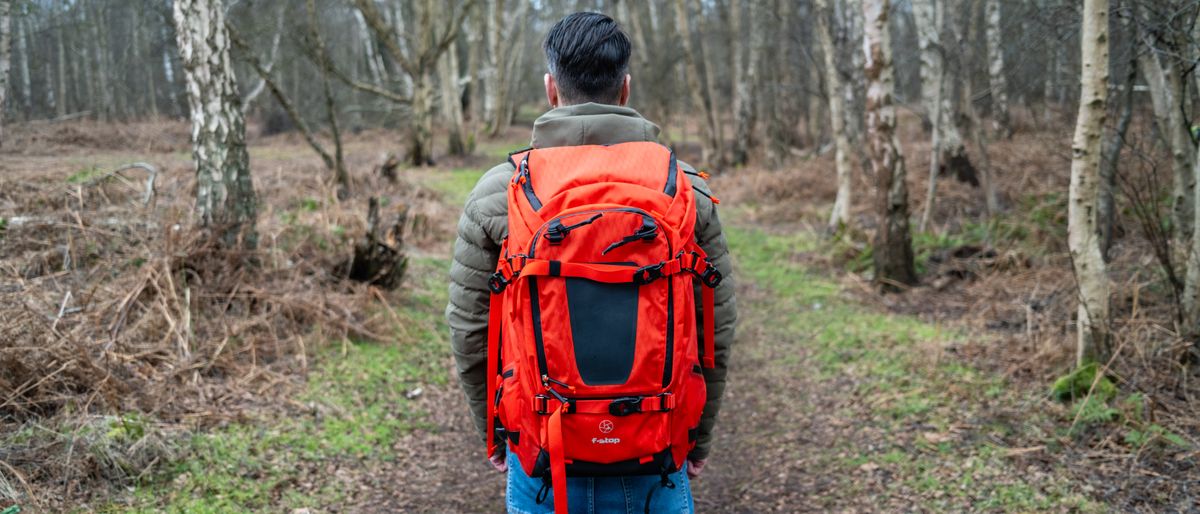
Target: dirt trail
759, 462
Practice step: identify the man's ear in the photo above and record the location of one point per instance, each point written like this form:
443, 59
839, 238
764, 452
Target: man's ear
551, 90
624, 99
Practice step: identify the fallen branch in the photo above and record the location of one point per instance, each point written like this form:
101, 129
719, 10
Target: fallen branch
151, 176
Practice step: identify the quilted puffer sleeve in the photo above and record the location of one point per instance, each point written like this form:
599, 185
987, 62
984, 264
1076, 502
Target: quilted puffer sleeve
483, 225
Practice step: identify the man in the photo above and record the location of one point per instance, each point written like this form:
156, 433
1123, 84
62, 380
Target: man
587, 87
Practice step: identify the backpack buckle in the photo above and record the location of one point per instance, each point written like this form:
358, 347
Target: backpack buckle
625, 406
555, 235
497, 283
648, 274
711, 276
542, 404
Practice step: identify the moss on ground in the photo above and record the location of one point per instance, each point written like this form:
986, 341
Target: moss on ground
358, 394
894, 362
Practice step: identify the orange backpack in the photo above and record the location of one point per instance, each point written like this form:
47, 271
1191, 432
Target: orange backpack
593, 352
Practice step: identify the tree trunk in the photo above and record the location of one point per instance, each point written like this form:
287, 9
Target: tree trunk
139, 60
99, 46
841, 205
935, 154
711, 146
1162, 78
893, 255
780, 124
22, 40
938, 87
451, 109
501, 46
746, 56
996, 78
225, 201
987, 174
60, 96
1106, 210
339, 162
5, 38
474, 67
1082, 236
420, 149
169, 76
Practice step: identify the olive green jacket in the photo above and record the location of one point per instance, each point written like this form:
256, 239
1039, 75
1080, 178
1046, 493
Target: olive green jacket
484, 224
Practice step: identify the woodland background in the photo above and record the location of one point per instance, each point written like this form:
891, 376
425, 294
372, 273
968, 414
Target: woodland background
965, 236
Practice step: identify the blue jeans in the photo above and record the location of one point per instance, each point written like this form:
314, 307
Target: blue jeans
600, 495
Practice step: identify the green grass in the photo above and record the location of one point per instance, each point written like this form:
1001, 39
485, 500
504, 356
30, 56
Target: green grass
456, 184
884, 355
85, 174
359, 390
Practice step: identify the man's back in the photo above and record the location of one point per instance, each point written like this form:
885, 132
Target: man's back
484, 226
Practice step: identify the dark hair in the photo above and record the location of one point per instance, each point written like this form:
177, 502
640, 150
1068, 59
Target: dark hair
588, 55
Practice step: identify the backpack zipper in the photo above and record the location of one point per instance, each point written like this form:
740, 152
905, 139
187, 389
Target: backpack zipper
527, 185
537, 236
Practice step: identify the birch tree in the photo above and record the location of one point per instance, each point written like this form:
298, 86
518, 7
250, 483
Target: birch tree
225, 201
893, 255
710, 148
5, 39
1082, 235
996, 79
451, 108
947, 151
416, 52
841, 205
502, 57
1164, 78
747, 53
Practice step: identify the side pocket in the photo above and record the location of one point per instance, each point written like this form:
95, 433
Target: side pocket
508, 396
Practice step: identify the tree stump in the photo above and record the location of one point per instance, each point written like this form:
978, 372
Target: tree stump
379, 258
388, 168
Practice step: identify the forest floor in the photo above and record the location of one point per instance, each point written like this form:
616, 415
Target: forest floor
835, 401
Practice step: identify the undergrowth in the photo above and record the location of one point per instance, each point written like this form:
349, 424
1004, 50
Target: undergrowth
900, 365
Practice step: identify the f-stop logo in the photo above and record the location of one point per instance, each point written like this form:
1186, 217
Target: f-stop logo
606, 426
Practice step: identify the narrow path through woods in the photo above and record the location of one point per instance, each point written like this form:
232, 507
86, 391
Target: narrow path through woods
830, 407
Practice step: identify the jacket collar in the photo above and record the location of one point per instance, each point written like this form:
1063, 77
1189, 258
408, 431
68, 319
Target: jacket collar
591, 124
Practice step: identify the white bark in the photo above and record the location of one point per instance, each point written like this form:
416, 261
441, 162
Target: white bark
1082, 236
698, 87
937, 92
893, 254
224, 193
1165, 84
996, 78
374, 60
841, 205
502, 55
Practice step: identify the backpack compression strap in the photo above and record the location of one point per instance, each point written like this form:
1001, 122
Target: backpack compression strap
558, 463
694, 262
493, 374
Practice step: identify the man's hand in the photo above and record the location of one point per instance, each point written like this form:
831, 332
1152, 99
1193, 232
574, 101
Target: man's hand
499, 461
695, 467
